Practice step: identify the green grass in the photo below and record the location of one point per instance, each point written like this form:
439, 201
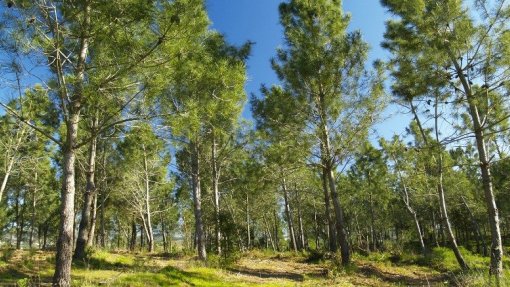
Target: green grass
255, 268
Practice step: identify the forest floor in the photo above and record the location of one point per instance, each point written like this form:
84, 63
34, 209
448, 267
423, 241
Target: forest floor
34, 268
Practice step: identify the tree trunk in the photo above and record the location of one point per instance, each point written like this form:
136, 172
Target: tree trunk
434, 229
102, 227
300, 222
328, 162
11, 162
327, 202
62, 276
442, 200
64, 256
132, 242
93, 220
216, 191
276, 229
197, 199
248, 220
150, 232
163, 232
411, 210
88, 200
496, 265
33, 215
288, 214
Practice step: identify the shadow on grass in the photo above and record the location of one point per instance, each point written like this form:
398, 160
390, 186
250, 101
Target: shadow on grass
170, 276
372, 271
100, 264
263, 273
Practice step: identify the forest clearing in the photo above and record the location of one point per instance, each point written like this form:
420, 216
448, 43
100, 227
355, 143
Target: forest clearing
247, 143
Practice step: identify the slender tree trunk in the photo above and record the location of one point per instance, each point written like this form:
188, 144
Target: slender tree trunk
288, 214
434, 229
340, 222
269, 233
93, 220
11, 161
317, 229
276, 229
372, 221
197, 198
216, 191
341, 232
328, 160
248, 220
102, 227
411, 210
300, 222
33, 213
150, 232
442, 200
88, 200
496, 265
331, 224
163, 232
132, 243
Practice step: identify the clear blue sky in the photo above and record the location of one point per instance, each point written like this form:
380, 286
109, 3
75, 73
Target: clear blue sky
257, 21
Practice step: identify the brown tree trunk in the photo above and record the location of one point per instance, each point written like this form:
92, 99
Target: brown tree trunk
33, 213
327, 202
302, 242
197, 199
276, 230
64, 256
496, 265
93, 220
288, 214
62, 276
88, 200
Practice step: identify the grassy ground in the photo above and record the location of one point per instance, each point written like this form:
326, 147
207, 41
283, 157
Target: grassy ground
34, 268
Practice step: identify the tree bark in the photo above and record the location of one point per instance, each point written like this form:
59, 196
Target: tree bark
302, 242
64, 256
93, 220
288, 214
328, 159
88, 200
11, 162
197, 199
33, 213
248, 227
150, 232
216, 191
62, 276
327, 202
496, 264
